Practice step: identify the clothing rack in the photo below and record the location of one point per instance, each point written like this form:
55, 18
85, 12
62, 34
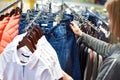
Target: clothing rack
97, 17
82, 18
30, 24
50, 5
11, 5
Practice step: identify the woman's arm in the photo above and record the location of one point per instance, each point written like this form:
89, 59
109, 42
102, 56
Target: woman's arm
99, 46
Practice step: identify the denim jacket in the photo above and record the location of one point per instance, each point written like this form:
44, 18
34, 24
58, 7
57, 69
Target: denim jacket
111, 65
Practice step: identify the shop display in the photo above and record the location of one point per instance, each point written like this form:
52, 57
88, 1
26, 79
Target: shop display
43, 27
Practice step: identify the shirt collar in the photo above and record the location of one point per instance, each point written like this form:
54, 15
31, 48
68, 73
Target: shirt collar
33, 59
11, 50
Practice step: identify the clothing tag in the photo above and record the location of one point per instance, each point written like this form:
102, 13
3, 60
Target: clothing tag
44, 25
55, 23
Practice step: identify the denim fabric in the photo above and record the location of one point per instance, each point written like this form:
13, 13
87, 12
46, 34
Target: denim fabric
26, 18
23, 23
63, 41
22, 27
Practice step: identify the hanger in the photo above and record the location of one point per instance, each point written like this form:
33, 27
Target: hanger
1, 17
90, 11
34, 36
26, 42
31, 23
18, 11
30, 36
6, 15
8, 7
11, 5
15, 11
12, 13
92, 26
37, 31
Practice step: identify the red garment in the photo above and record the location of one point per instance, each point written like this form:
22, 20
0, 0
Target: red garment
3, 24
10, 31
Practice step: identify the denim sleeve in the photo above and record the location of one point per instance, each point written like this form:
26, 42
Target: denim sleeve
101, 47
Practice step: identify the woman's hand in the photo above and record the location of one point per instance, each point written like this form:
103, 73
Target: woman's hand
75, 29
66, 76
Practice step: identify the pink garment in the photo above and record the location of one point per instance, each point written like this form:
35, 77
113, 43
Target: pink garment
10, 31
3, 24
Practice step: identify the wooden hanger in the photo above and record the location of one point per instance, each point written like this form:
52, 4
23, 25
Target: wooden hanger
34, 36
6, 15
18, 11
1, 17
15, 11
38, 31
12, 12
26, 42
31, 38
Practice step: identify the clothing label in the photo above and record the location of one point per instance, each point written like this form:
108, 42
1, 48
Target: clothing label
55, 23
24, 53
44, 25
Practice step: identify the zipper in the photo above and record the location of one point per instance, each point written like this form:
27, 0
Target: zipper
109, 69
23, 71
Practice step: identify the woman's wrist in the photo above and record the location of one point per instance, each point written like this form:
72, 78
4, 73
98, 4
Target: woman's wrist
80, 33
66, 76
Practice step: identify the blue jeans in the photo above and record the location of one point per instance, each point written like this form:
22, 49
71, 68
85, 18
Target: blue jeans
25, 20
23, 23
63, 41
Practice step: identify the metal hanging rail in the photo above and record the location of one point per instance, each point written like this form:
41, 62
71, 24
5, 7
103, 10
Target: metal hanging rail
11, 5
98, 17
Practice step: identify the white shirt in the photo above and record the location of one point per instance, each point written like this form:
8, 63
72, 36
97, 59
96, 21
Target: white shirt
43, 64
50, 57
